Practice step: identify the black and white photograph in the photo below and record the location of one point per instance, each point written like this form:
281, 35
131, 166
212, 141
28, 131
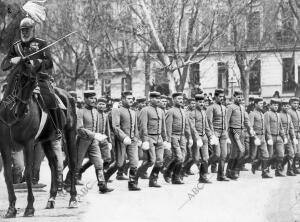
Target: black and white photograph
150, 110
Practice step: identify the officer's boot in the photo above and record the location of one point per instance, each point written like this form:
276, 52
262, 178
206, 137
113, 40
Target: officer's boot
264, 169
176, 175
153, 177
101, 182
203, 173
221, 176
189, 166
279, 169
168, 172
289, 171
133, 180
35, 176
295, 169
229, 168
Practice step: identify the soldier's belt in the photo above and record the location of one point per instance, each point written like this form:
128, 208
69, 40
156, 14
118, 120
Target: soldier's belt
202, 134
177, 134
154, 134
275, 134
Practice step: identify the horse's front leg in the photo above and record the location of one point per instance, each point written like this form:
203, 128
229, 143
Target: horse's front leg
28, 156
6, 156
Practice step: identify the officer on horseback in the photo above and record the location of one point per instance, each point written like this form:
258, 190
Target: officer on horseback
39, 64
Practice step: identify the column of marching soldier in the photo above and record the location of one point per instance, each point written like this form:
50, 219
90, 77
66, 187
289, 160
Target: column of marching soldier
172, 138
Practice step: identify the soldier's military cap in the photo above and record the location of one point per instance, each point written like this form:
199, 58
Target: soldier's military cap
141, 99
27, 23
115, 99
237, 93
257, 99
285, 101
154, 94
102, 99
163, 97
126, 93
275, 101
294, 99
199, 97
218, 91
89, 93
175, 94
252, 97
191, 99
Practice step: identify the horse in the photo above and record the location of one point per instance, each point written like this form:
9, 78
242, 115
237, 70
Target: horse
20, 117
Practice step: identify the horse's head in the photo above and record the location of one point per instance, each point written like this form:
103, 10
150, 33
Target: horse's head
11, 15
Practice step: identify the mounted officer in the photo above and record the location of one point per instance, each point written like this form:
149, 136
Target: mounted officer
39, 64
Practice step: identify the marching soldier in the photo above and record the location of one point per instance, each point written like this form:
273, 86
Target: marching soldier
89, 137
153, 136
289, 132
201, 133
275, 137
257, 122
295, 114
178, 127
125, 126
216, 117
236, 120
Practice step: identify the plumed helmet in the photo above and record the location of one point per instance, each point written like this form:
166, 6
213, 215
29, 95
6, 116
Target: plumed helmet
27, 23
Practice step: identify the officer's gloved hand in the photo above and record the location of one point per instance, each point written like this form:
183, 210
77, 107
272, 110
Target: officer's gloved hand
139, 143
100, 137
270, 142
252, 133
199, 142
167, 145
295, 141
214, 140
190, 142
145, 145
109, 146
15, 60
228, 141
257, 141
127, 140
285, 141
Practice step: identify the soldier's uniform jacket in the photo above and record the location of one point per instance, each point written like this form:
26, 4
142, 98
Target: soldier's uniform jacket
273, 125
257, 122
295, 114
287, 125
23, 49
125, 123
177, 123
216, 117
104, 126
237, 117
88, 123
199, 123
152, 122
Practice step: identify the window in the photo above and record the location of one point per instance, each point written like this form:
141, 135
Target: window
194, 73
106, 87
253, 27
223, 76
90, 84
254, 78
288, 75
126, 83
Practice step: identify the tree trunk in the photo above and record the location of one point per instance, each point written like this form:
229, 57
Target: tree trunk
94, 63
245, 84
172, 84
147, 74
183, 78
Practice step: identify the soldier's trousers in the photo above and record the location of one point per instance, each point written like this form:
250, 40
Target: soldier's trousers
200, 154
297, 147
178, 146
90, 147
237, 143
289, 150
105, 152
220, 150
132, 154
261, 150
277, 149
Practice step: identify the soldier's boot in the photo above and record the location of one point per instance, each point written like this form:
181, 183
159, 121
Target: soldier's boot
229, 168
142, 170
221, 176
176, 177
254, 165
153, 177
284, 162
289, 171
203, 173
295, 169
279, 169
133, 180
35, 176
189, 165
78, 176
83, 168
243, 168
120, 175
168, 172
101, 182
264, 169
213, 168
110, 171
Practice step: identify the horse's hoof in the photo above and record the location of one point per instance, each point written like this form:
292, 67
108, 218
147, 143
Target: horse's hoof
11, 213
50, 204
29, 212
73, 204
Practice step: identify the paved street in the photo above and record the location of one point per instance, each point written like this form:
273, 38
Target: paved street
248, 199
